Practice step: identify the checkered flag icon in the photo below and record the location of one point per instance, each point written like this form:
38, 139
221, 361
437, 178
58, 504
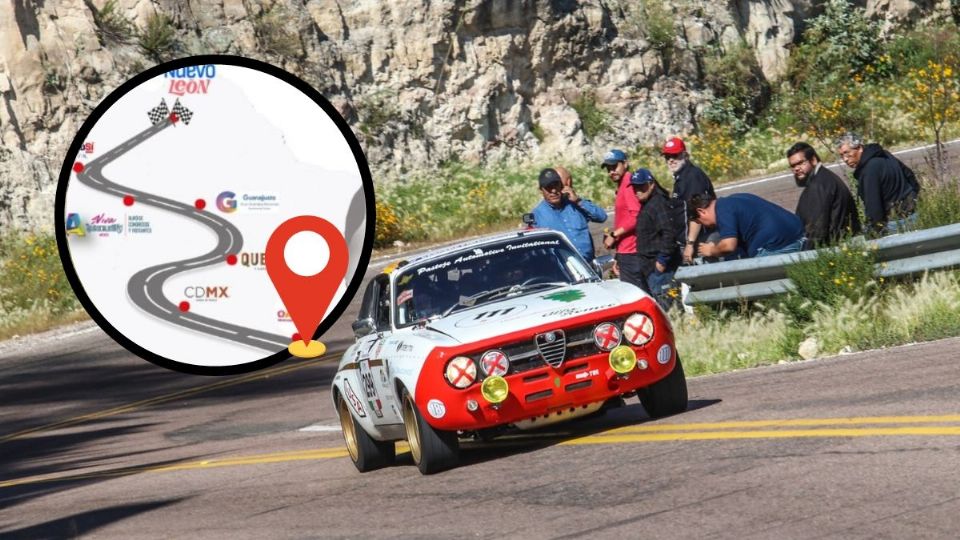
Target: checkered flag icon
182, 112
159, 113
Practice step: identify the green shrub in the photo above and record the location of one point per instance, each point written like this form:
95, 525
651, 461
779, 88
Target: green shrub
658, 20
31, 276
594, 119
847, 272
158, 39
112, 25
739, 86
938, 205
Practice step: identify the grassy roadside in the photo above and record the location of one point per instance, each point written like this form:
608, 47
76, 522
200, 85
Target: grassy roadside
34, 292
925, 310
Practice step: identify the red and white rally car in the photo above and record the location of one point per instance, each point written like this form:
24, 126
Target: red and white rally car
510, 330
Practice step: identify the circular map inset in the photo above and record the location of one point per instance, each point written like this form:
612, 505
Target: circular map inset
169, 194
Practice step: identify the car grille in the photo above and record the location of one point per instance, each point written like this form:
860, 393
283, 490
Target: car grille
535, 352
552, 346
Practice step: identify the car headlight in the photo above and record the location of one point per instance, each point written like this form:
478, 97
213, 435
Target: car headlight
494, 363
638, 329
606, 336
623, 359
461, 372
494, 389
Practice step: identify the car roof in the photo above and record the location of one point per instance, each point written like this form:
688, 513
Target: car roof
481, 241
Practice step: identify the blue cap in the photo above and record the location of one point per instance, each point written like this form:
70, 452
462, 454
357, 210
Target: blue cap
641, 176
613, 157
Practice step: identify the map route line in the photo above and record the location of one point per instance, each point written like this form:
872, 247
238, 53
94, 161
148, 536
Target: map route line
145, 288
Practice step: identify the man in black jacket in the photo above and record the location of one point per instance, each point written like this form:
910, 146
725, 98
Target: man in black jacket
826, 207
661, 229
887, 187
688, 180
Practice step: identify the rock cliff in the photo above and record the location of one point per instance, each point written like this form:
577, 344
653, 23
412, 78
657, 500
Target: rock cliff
420, 81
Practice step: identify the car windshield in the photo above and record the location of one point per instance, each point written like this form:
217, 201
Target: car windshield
484, 274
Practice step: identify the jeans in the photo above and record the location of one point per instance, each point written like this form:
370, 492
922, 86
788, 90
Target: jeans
659, 284
901, 225
790, 248
630, 272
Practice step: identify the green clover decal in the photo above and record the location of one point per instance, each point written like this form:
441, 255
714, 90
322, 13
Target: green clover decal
565, 296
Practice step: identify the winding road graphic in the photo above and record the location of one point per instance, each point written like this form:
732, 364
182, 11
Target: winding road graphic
145, 288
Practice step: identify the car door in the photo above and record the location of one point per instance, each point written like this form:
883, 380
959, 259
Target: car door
371, 363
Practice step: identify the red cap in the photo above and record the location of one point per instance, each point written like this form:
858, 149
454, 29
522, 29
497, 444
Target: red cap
674, 146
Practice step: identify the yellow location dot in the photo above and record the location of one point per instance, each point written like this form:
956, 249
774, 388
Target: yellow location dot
310, 350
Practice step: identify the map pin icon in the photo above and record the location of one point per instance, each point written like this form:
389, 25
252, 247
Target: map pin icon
306, 298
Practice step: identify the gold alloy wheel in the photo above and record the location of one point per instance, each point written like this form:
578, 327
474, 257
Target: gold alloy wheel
348, 428
413, 433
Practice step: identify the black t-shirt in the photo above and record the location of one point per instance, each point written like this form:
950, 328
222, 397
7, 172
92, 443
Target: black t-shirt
689, 181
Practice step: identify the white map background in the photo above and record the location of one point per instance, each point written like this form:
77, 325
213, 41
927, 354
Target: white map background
252, 133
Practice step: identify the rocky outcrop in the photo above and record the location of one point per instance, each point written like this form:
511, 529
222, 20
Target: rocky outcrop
419, 81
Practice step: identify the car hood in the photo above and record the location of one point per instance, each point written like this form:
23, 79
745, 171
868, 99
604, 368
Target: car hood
535, 309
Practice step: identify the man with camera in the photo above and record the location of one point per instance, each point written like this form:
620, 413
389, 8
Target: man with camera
562, 209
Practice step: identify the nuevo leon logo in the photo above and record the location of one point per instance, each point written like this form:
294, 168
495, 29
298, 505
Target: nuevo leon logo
191, 79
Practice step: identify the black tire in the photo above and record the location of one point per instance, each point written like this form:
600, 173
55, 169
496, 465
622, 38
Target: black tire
366, 452
432, 450
666, 396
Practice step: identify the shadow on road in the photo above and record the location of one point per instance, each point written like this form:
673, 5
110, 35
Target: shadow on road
521, 442
85, 522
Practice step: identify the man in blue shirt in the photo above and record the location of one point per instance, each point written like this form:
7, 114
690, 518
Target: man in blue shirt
746, 221
563, 210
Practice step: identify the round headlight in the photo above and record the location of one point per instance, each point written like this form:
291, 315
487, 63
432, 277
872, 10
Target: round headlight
494, 363
623, 359
606, 336
638, 329
494, 389
461, 372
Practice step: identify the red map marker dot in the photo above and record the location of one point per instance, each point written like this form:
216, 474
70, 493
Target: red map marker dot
128, 200
78, 167
306, 298
231, 259
184, 306
295, 337
174, 117
200, 204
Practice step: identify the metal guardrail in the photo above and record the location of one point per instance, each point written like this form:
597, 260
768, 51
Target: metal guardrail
751, 279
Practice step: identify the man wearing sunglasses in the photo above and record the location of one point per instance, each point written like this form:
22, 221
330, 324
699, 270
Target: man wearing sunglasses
826, 206
688, 180
562, 209
626, 207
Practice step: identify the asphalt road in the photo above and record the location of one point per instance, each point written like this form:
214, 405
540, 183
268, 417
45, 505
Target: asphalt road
94, 441
858, 446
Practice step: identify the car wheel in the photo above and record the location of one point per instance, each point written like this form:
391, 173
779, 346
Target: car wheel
366, 453
432, 450
666, 396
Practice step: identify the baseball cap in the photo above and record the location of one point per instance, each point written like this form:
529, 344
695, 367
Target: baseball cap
640, 177
674, 146
549, 177
614, 156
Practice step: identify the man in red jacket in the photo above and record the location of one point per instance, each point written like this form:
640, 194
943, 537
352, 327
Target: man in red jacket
626, 208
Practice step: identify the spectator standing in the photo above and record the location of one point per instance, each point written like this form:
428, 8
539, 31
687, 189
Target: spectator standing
562, 209
826, 206
661, 230
624, 235
887, 187
688, 180
746, 221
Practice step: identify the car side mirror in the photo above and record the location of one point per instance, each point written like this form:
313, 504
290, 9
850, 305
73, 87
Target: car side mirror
603, 265
363, 327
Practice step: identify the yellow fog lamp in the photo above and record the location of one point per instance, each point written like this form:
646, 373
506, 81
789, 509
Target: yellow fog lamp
623, 359
494, 389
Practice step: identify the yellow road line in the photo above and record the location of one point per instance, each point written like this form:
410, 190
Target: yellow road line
793, 422
765, 434
264, 374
